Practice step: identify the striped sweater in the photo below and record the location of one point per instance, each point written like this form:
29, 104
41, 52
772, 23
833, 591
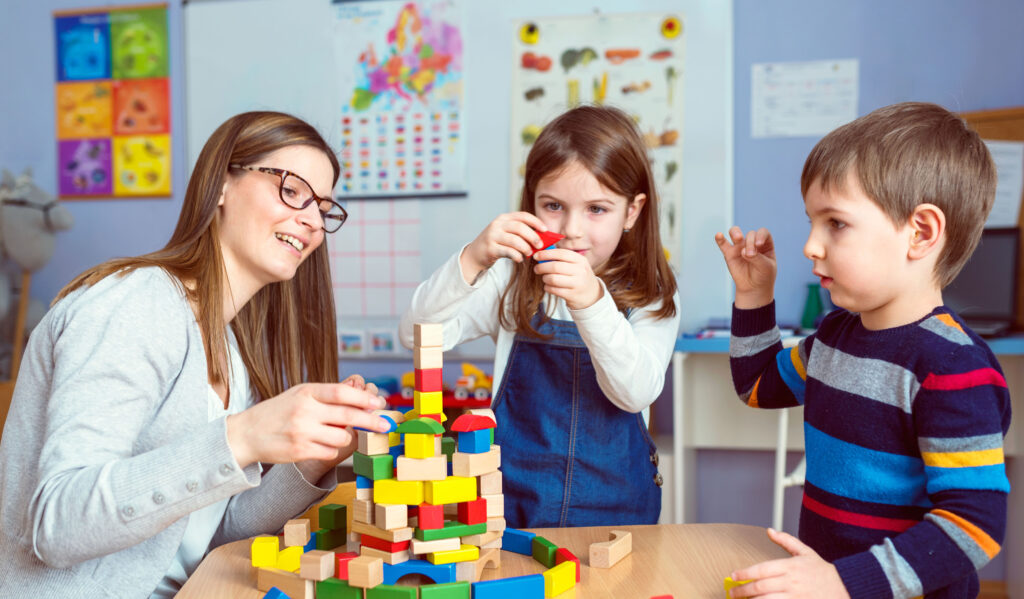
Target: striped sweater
906, 487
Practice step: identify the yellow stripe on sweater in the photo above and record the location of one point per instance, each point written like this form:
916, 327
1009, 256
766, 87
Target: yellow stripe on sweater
961, 459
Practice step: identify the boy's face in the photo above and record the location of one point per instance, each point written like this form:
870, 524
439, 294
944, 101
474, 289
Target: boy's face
860, 256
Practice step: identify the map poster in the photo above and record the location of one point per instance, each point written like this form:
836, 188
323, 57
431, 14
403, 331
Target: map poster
401, 94
112, 104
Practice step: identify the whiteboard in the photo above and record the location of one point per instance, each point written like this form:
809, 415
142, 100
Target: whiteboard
278, 55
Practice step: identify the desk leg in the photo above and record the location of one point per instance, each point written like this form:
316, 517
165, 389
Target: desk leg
684, 461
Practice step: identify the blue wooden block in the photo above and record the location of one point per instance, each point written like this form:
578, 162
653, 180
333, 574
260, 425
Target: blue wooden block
518, 587
475, 441
275, 593
517, 541
396, 451
363, 483
311, 545
439, 573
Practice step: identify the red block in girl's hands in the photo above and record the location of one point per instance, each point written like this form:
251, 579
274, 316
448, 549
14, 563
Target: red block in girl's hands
549, 239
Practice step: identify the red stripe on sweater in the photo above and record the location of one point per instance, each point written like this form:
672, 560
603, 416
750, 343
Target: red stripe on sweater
964, 380
861, 520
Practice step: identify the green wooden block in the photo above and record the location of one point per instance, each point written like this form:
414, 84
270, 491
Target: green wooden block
448, 447
333, 516
448, 590
492, 435
451, 529
334, 588
373, 467
544, 551
390, 591
329, 539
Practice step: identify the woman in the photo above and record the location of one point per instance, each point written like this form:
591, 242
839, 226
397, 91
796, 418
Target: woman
158, 390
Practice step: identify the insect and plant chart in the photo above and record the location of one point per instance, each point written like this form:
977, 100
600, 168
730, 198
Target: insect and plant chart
630, 61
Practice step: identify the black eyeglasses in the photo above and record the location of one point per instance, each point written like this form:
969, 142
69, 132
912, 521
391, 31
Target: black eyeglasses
296, 193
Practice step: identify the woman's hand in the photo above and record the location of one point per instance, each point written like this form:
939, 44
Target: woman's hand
751, 262
568, 275
311, 421
512, 235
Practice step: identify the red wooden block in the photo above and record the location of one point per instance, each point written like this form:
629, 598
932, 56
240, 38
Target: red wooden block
436, 417
471, 422
431, 516
341, 564
548, 238
473, 512
564, 555
383, 544
428, 380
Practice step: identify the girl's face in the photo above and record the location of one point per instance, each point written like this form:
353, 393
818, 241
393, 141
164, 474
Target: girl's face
571, 201
263, 239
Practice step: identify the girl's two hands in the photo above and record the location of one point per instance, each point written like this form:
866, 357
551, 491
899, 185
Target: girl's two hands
568, 275
512, 235
751, 262
309, 424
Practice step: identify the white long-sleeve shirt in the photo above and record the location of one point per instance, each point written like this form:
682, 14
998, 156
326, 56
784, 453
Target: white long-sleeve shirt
630, 355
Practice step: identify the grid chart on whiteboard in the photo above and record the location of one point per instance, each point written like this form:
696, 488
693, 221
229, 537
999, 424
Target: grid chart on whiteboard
375, 258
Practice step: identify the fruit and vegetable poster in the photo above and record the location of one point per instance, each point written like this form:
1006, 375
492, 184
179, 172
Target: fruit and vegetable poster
401, 81
630, 61
113, 102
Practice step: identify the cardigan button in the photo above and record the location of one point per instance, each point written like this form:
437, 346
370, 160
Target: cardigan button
158, 498
658, 480
225, 468
128, 511
654, 459
192, 486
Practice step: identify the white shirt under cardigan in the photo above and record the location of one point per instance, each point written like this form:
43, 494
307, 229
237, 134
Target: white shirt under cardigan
630, 355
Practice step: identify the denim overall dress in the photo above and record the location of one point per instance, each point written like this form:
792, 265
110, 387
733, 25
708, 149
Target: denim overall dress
569, 456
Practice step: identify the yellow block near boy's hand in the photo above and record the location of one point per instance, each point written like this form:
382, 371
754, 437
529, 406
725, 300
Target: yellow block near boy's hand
264, 552
730, 583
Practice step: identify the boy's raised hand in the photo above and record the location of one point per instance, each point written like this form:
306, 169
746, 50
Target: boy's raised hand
805, 574
751, 262
512, 235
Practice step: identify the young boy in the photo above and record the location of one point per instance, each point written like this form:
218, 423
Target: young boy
905, 408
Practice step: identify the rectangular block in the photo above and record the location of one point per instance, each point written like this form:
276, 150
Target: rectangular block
341, 561
418, 547
473, 512
288, 559
448, 447
425, 358
420, 446
372, 443
495, 505
497, 524
326, 540
317, 565
383, 544
393, 536
390, 558
388, 591
451, 490
373, 467
475, 441
481, 539
428, 334
429, 379
427, 402
559, 579
564, 555
431, 468
362, 510
391, 516
448, 590
333, 588
430, 516
519, 586
366, 493
543, 551
288, 582
518, 541
464, 553
476, 464
450, 530
333, 515
408, 492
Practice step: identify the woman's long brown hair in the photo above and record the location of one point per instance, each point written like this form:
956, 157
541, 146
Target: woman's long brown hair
286, 333
606, 142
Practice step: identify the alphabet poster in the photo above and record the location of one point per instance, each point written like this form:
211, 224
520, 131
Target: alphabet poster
113, 102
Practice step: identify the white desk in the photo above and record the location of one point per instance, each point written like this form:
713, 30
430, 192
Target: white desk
707, 415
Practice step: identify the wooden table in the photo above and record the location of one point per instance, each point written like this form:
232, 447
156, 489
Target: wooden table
684, 560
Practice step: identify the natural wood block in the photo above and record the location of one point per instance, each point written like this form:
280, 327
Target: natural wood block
317, 565
495, 524
365, 571
472, 570
428, 334
362, 510
391, 516
430, 468
387, 557
495, 505
427, 357
395, 536
296, 532
476, 464
481, 539
490, 483
418, 547
608, 553
289, 582
372, 443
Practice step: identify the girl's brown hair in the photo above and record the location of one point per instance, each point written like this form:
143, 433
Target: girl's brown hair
606, 142
286, 333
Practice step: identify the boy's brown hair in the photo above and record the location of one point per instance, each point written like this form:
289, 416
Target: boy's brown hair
909, 154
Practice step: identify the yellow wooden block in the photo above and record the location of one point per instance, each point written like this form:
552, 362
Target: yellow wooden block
465, 553
435, 468
559, 579
264, 552
394, 439
419, 446
389, 490
454, 489
427, 402
289, 558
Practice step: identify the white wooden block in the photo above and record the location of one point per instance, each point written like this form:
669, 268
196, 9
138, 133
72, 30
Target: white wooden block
428, 335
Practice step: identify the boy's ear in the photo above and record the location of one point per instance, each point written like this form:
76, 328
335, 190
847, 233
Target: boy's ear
634, 209
927, 229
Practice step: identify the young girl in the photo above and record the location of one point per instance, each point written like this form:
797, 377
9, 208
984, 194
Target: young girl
584, 332
158, 390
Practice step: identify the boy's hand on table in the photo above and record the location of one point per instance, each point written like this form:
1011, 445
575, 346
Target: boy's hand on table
805, 574
751, 262
568, 275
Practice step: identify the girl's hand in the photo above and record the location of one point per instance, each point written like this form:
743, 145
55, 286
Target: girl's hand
310, 421
512, 235
568, 275
359, 382
751, 262
805, 574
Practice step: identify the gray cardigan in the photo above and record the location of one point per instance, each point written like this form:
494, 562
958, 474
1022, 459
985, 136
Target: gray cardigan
107, 448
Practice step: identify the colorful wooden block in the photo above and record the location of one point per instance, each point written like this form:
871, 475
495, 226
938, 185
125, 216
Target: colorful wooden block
387, 557
427, 402
328, 539
374, 467
495, 544
472, 512
518, 541
475, 441
333, 515
475, 464
407, 492
427, 334
543, 551
387, 591
440, 573
430, 516
495, 505
275, 593
362, 510
471, 571
317, 565
263, 552
451, 529
608, 553
365, 571
490, 483
372, 443
341, 561
451, 590
429, 379
448, 447
394, 536
334, 588
559, 579
505, 588
426, 358
418, 547
564, 555
450, 490
465, 553
289, 558
287, 582
384, 544
391, 516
